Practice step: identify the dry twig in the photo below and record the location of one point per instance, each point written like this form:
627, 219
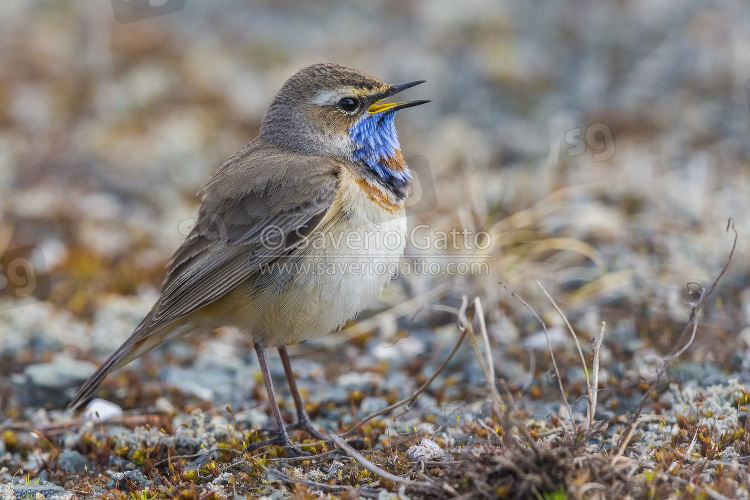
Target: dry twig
331, 488
488, 365
465, 316
364, 462
570, 329
596, 345
690, 328
554, 363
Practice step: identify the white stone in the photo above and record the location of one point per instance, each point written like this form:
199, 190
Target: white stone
426, 450
101, 409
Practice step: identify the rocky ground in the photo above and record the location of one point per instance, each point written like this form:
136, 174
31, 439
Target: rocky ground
592, 150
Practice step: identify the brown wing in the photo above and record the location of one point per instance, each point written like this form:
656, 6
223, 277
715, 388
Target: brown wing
255, 190
245, 222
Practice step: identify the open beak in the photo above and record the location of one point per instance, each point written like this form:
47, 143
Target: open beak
377, 107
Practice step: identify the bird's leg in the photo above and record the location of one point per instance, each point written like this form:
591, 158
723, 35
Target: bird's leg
282, 437
303, 419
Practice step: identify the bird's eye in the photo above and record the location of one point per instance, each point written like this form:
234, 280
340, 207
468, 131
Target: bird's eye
348, 104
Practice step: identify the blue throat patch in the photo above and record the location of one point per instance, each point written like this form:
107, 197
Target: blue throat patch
375, 141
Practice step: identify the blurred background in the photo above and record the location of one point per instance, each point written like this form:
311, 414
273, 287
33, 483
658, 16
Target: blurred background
602, 147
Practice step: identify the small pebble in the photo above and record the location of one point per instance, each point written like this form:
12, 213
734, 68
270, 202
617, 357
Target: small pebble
425, 450
100, 409
72, 461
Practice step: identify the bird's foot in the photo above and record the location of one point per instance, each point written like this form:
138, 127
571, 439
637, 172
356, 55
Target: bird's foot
282, 439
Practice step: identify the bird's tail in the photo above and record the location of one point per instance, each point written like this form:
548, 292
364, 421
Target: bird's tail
114, 362
143, 339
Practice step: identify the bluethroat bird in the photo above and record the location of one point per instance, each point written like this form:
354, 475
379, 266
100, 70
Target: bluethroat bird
296, 231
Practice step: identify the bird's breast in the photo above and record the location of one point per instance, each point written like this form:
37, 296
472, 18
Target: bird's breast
334, 274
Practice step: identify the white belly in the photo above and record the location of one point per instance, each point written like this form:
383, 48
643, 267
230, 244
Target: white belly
331, 278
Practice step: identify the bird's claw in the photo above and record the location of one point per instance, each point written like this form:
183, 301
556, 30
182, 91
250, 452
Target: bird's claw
282, 439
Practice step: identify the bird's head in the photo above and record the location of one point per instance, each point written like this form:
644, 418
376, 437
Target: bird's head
337, 111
